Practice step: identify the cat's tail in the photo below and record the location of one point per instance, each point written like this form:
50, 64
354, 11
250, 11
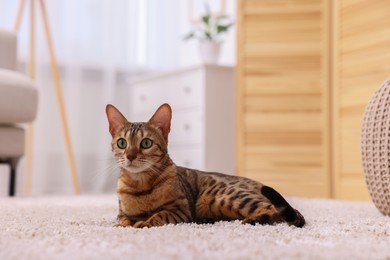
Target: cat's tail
288, 213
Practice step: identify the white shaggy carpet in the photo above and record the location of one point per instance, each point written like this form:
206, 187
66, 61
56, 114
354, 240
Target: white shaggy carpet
81, 228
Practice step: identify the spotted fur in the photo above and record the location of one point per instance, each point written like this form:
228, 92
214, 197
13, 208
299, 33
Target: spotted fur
153, 191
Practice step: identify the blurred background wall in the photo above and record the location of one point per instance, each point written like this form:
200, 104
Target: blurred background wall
101, 45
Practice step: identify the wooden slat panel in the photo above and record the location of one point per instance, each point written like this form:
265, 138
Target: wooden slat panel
273, 159
302, 187
283, 98
272, 7
282, 138
282, 108
283, 103
289, 63
262, 34
361, 64
283, 121
292, 84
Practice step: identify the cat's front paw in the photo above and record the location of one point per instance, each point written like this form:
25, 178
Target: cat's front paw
142, 224
120, 225
124, 222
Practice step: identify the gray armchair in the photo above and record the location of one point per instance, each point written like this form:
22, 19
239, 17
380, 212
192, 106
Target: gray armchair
18, 105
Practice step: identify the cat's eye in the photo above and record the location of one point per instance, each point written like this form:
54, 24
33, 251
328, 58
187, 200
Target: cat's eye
146, 143
121, 143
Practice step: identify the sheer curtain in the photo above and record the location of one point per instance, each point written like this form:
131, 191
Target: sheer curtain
99, 45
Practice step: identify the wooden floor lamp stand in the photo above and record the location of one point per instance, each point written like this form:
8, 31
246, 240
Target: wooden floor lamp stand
58, 90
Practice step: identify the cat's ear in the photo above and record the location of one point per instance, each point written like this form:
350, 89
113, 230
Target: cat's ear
115, 119
162, 119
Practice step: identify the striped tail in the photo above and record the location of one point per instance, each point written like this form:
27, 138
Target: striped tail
288, 213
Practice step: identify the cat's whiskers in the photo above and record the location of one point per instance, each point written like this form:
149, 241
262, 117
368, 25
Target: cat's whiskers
151, 166
110, 169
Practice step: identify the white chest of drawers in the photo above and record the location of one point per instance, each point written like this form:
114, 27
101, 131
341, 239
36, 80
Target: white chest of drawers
202, 128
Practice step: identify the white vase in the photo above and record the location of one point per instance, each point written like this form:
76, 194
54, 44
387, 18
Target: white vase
209, 51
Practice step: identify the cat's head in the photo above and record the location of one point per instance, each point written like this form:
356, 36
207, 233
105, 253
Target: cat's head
139, 146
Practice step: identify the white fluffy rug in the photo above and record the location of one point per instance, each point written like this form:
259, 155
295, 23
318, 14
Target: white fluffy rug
81, 228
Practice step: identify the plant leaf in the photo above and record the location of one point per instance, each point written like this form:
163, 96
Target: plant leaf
223, 28
206, 19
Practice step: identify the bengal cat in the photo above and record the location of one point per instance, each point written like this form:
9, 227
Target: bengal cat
153, 191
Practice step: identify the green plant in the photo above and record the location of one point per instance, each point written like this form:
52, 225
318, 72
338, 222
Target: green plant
211, 27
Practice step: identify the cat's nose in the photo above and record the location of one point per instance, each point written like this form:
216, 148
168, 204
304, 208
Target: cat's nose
131, 156
132, 153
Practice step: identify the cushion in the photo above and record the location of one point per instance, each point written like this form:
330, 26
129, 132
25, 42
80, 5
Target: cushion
18, 98
12, 141
375, 147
